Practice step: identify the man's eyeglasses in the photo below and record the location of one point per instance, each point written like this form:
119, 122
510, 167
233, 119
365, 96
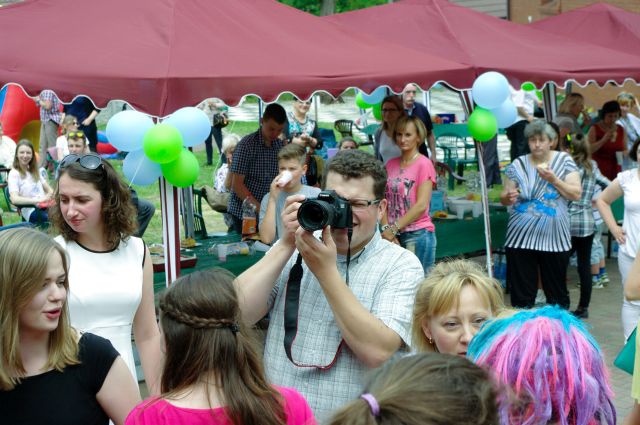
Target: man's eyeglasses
89, 161
389, 110
74, 123
75, 135
362, 204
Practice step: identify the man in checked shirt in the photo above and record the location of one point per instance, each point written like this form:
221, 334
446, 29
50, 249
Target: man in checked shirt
255, 163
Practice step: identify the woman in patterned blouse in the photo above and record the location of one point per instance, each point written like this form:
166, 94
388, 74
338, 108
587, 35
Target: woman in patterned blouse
538, 187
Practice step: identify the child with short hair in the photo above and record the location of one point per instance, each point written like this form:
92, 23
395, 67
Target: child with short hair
212, 372
292, 166
77, 143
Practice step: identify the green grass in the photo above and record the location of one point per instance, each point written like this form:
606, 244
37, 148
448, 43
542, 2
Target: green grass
213, 220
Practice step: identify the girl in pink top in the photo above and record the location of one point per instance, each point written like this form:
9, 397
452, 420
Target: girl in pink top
410, 179
212, 374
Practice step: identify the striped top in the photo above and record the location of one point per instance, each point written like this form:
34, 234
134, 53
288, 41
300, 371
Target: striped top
539, 220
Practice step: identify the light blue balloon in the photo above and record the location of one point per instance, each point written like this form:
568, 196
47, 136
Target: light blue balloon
126, 130
376, 96
139, 169
505, 114
490, 90
192, 123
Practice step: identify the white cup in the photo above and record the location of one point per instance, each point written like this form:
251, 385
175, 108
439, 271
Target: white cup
477, 209
285, 178
222, 252
460, 211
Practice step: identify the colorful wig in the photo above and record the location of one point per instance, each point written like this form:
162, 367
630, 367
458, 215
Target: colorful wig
551, 363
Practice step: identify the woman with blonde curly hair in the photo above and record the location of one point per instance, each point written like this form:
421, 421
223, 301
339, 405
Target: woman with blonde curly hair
451, 305
111, 275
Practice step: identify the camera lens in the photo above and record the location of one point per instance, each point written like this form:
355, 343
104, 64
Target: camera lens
314, 215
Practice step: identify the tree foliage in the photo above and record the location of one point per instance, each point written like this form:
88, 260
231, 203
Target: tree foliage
314, 6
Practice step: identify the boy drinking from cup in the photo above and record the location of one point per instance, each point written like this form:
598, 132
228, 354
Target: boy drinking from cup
292, 166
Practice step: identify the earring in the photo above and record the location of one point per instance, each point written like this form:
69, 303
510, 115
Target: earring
430, 341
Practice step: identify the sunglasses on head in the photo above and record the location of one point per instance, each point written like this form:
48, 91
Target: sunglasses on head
75, 135
89, 161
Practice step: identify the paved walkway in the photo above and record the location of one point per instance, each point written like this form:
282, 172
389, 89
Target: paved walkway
604, 319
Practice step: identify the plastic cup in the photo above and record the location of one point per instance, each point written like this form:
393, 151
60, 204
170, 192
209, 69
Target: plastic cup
477, 209
222, 252
460, 211
619, 158
285, 178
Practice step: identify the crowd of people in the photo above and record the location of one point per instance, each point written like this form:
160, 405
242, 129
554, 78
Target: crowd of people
364, 327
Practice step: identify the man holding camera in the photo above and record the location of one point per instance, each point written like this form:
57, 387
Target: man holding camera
356, 291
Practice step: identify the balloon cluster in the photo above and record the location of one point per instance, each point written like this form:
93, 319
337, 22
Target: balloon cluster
159, 150
373, 101
495, 108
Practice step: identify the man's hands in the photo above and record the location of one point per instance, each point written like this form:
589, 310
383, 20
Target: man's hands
319, 256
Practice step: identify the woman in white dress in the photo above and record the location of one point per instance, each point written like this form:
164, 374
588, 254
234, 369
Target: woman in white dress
110, 274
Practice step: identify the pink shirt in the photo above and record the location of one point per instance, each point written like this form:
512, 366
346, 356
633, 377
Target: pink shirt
402, 190
158, 412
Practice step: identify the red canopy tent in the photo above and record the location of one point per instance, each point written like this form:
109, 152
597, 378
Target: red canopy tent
161, 55
599, 23
487, 43
520, 52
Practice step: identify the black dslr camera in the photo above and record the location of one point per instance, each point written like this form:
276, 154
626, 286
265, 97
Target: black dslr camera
328, 209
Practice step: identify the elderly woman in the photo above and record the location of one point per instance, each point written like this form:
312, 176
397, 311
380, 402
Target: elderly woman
304, 131
608, 140
572, 107
538, 187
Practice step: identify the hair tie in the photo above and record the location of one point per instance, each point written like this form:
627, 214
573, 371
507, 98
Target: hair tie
373, 404
235, 328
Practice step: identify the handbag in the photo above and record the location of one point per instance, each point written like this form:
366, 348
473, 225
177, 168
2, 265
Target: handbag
218, 201
627, 356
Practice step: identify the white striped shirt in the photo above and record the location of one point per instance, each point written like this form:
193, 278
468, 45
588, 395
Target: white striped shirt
539, 219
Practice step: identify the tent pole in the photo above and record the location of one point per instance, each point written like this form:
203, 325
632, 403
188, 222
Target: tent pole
467, 103
169, 201
549, 101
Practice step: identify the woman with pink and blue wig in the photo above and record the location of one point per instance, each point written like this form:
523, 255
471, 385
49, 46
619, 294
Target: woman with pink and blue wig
552, 366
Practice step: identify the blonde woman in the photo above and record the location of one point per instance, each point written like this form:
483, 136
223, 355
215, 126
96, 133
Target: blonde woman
49, 373
451, 305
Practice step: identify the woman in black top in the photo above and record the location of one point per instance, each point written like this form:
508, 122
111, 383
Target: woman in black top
49, 373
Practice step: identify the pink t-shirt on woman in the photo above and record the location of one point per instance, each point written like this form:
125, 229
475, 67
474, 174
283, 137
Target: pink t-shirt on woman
402, 190
161, 412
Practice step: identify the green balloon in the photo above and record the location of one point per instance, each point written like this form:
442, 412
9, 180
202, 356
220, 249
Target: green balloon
539, 94
377, 111
162, 143
184, 171
528, 86
361, 103
482, 125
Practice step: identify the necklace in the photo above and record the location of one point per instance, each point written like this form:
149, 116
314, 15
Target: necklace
403, 162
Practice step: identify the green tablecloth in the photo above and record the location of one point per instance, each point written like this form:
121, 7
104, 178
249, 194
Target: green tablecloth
236, 264
460, 237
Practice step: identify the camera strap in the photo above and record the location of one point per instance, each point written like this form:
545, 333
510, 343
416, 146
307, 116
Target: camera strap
291, 308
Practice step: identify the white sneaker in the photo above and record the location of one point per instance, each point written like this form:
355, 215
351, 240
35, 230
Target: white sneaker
541, 299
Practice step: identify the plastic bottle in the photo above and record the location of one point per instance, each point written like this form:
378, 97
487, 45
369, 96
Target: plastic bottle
235, 248
249, 218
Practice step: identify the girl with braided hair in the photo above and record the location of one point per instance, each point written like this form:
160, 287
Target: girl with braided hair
212, 373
